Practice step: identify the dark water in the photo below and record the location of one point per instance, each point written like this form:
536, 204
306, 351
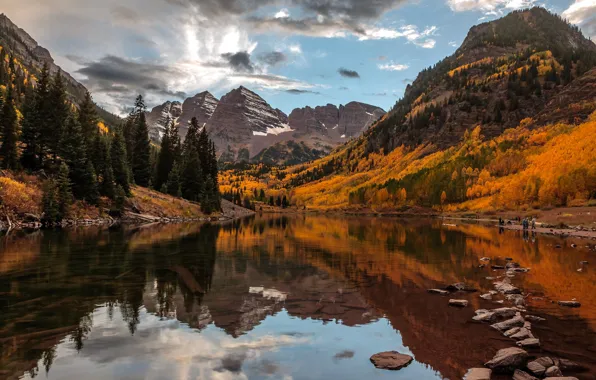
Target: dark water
277, 298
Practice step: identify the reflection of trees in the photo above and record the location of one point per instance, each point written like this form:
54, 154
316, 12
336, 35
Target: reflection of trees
72, 271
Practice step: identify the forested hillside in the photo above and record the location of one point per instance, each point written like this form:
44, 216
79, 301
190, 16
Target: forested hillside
58, 156
507, 122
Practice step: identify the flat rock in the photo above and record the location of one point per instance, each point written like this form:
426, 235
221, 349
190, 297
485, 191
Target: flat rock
545, 361
438, 291
536, 368
522, 334
506, 288
391, 360
512, 331
478, 374
570, 303
508, 360
553, 371
486, 296
535, 318
456, 287
568, 365
521, 375
517, 299
485, 259
494, 315
529, 342
458, 303
508, 324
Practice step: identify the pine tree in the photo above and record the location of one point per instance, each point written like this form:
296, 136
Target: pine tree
173, 183
119, 161
88, 120
141, 165
35, 116
49, 203
9, 129
58, 112
191, 184
63, 191
73, 151
165, 160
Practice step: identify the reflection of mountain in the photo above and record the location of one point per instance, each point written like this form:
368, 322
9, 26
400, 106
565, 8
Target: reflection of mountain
238, 275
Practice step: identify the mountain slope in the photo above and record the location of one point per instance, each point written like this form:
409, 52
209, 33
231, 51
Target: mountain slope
32, 57
476, 131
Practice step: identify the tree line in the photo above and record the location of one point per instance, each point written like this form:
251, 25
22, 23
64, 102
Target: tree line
43, 132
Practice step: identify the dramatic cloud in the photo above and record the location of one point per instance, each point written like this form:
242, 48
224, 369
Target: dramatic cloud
409, 32
494, 7
348, 73
239, 61
273, 58
393, 67
583, 13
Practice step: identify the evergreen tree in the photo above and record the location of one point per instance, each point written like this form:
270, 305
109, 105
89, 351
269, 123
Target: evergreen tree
173, 183
58, 112
88, 120
49, 203
119, 161
191, 183
63, 191
165, 160
9, 129
73, 151
35, 116
141, 165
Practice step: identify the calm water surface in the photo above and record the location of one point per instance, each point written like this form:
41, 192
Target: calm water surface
276, 298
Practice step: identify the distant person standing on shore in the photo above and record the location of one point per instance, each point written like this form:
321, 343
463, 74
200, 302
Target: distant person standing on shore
534, 223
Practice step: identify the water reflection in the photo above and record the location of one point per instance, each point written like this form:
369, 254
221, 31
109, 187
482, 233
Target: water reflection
301, 297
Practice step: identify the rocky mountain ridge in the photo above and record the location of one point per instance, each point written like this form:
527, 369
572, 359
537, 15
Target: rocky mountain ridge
245, 127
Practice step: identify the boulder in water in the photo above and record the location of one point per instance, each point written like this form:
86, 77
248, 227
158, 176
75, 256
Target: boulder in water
392, 360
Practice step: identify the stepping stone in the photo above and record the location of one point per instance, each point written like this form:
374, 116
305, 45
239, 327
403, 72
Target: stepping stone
458, 303
391, 360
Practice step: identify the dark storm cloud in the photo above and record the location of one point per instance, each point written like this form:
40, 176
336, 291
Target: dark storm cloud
115, 75
348, 73
273, 58
239, 61
295, 91
337, 15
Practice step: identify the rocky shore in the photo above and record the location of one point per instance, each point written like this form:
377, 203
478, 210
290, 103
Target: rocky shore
31, 221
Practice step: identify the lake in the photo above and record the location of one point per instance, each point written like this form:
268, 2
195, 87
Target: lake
279, 297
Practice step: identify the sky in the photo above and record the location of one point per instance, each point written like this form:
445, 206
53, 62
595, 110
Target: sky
293, 53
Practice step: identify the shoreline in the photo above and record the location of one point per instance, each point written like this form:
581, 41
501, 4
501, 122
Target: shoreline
29, 222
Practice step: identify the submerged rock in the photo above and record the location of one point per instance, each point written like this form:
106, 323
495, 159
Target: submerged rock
522, 334
495, 315
506, 288
391, 360
536, 368
508, 360
497, 267
516, 321
553, 371
568, 365
458, 303
478, 374
521, 375
485, 259
438, 291
570, 303
535, 318
529, 342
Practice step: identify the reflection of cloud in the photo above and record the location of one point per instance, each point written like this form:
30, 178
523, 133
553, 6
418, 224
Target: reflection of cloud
345, 354
348, 73
169, 349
